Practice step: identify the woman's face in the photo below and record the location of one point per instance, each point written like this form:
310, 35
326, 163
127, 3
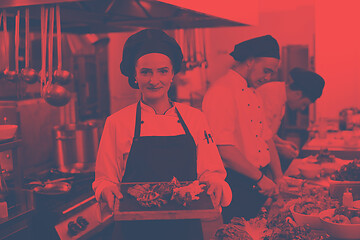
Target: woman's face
154, 74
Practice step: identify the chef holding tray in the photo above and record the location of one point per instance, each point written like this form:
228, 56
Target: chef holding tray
156, 139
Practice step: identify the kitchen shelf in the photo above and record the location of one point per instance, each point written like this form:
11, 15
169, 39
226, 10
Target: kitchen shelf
10, 145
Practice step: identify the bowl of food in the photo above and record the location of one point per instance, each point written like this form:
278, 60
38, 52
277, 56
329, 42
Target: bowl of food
347, 177
310, 171
306, 213
7, 132
341, 223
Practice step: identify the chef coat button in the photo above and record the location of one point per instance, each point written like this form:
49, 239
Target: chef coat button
259, 151
178, 121
268, 149
260, 122
258, 106
248, 105
256, 135
251, 120
242, 89
142, 122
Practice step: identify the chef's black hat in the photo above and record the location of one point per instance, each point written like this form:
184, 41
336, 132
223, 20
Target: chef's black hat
145, 42
309, 83
265, 46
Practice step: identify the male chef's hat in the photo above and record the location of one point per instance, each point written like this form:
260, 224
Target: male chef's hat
145, 42
265, 46
309, 83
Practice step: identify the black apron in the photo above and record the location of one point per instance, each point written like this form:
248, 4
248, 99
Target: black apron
159, 159
246, 200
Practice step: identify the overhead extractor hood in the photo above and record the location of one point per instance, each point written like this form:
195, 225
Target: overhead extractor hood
103, 16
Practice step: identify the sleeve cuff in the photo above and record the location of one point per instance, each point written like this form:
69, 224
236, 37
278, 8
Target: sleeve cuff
99, 187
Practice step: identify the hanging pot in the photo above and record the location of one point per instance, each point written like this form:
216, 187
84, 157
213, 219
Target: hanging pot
60, 76
29, 75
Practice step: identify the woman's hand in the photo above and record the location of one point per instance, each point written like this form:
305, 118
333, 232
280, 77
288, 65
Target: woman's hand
109, 194
220, 192
267, 187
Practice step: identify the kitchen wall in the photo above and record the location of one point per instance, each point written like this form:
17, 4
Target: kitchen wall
121, 94
338, 54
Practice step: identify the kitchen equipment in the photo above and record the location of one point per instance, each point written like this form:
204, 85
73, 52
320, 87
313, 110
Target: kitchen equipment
3, 186
29, 75
54, 94
10, 75
338, 188
43, 183
54, 213
3, 17
348, 118
53, 188
76, 146
7, 132
130, 209
303, 219
43, 17
339, 230
60, 76
310, 171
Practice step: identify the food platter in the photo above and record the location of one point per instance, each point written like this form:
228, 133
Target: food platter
128, 208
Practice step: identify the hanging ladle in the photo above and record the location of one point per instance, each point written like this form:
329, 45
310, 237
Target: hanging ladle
60, 76
54, 94
44, 21
12, 76
29, 75
4, 48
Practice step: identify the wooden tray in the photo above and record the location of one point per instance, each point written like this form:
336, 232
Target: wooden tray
128, 209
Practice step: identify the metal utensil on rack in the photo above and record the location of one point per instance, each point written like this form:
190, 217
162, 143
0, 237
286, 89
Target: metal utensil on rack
12, 75
60, 76
29, 75
54, 94
6, 44
43, 183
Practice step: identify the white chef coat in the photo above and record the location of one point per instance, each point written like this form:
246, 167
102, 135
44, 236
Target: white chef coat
273, 95
236, 117
118, 136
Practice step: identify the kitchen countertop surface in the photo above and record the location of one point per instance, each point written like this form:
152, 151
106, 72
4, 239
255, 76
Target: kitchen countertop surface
343, 144
275, 207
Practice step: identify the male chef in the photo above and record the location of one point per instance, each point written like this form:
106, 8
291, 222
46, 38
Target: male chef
302, 88
235, 114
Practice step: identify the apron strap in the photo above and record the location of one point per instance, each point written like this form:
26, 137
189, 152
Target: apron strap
187, 132
138, 121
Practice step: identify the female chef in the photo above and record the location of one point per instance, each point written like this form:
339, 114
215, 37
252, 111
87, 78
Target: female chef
156, 139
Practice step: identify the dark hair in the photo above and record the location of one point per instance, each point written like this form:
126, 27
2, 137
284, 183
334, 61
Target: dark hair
309, 83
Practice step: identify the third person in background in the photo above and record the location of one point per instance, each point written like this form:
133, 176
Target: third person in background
302, 88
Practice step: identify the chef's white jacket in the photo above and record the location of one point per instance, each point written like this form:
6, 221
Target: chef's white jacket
273, 95
118, 136
235, 114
